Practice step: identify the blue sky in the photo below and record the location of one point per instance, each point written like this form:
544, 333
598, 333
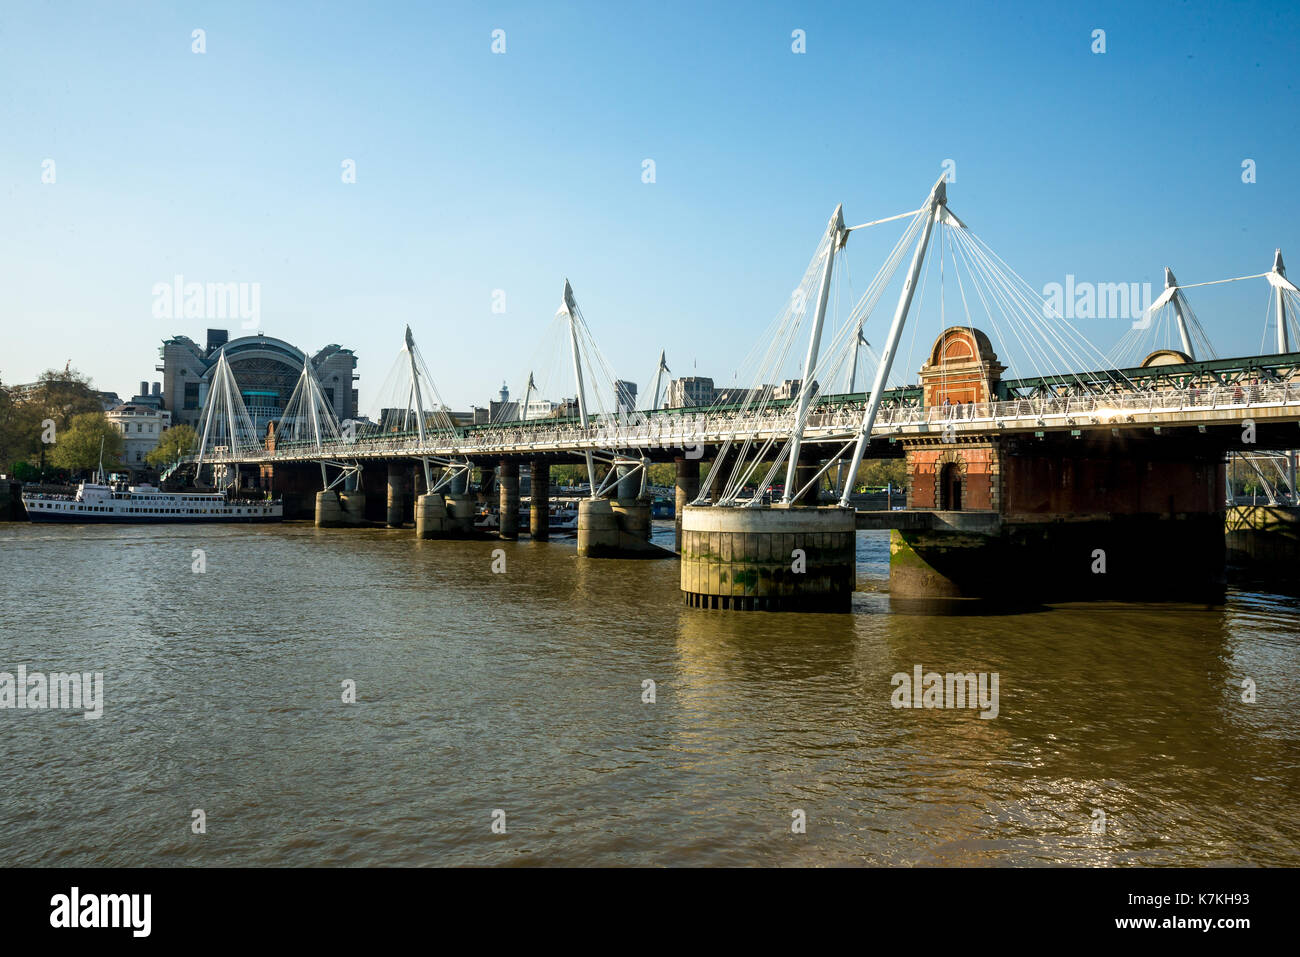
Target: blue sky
478, 172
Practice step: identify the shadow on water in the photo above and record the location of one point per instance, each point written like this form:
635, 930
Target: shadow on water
958, 607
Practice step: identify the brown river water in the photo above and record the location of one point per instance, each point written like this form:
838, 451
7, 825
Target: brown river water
522, 692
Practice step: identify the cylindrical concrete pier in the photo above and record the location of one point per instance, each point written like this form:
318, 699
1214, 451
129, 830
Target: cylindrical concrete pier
460, 513
398, 482
633, 517
803, 474
688, 487
508, 480
608, 529
430, 516
629, 482
539, 509
598, 534
353, 506
720, 478
329, 512
769, 559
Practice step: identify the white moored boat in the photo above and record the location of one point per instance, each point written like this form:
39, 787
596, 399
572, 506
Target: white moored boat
141, 504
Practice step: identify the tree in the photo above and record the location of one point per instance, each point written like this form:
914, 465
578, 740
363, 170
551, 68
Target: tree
663, 473
880, 472
62, 395
56, 397
77, 446
176, 442
569, 474
12, 442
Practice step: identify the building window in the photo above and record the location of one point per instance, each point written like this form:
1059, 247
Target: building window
191, 395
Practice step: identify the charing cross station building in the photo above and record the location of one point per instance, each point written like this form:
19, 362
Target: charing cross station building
267, 369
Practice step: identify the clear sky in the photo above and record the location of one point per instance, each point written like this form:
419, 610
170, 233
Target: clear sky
478, 171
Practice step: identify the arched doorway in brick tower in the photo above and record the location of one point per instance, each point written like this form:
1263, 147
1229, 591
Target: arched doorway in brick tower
950, 487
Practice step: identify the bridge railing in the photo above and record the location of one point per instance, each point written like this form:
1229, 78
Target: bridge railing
839, 421
1099, 405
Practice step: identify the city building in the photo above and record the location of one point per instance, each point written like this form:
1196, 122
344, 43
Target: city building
624, 396
540, 409
267, 369
145, 397
142, 427
700, 392
689, 391
502, 410
788, 389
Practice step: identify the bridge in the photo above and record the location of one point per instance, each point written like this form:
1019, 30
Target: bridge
1074, 469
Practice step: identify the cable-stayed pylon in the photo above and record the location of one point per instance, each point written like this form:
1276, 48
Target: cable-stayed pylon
227, 426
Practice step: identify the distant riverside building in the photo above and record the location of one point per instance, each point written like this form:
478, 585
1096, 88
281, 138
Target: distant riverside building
502, 410
145, 397
737, 396
624, 396
788, 389
404, 420
540, 409
699, 391
142, 427
692, 390
496, 412
267, 369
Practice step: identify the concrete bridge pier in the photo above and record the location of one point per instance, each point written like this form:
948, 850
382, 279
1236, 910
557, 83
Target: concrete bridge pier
508, 481
329, 510
609, 529
352, 502
688, 487
720, 478
398, 489
803, 474
1133, 516
539, 511
629, 483
460, 506
431, 516
487, 485
769, 559
633, 517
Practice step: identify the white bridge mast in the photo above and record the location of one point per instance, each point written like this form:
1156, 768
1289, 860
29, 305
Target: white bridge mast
1183, 334
417, 396
1280, 288
837, 237
659, 377
570, 307
934, 205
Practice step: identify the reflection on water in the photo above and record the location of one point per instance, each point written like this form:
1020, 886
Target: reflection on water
523, 691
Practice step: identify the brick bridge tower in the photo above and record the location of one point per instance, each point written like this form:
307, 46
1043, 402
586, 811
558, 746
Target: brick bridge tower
1053, 515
